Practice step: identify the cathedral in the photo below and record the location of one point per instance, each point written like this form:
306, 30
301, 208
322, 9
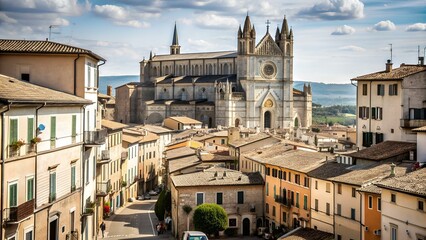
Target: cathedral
250, 87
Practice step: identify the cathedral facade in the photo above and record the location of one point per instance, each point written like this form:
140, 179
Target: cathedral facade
250, 87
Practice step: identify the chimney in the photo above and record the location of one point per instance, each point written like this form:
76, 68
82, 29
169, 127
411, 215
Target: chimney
421, 61
109, 90
389, 66
392, 174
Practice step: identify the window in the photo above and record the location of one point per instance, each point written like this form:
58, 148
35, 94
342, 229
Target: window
353, 192
240, 197
339, 209
291, 197
367, 139
327, 187
280, 174
297, 179
339, 188
420, 205
339, 237
363, 112
86, 167
222, 141
316, 184
73, 186
370, 202
393, 89
327, 209
30, 129
305, 202
417, 113
267, 208
52, 132
13, 125
353, 213
379, 204
268, 171
74, 127
52, 186
380, 90
30, 188
232, 222
273, 211
393, 198
364, 89
297, 200
13, 194
267, 189
379, 137
289, 176
29, 234
275, 191
200, 198
219, 198
284, 217
284, 175
377, 113
394, 232
316, 205
25, 77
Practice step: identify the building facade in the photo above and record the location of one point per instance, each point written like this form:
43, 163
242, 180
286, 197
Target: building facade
252, 86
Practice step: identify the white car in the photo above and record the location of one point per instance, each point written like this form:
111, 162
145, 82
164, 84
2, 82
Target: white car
194, 235
152, 193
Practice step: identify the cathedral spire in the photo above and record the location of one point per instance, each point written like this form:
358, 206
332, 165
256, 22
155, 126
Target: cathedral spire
284, 28
150, 55
247, 26
175, 48
240, 32
277, 34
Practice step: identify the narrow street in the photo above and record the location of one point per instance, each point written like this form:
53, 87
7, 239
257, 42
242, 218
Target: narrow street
135, 221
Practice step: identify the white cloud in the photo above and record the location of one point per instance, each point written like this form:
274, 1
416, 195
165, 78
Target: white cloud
122, 16
215, 21
352, 48
334, 10
199, 43
61, 22
343, 30
384, 26
416, 27
6, 19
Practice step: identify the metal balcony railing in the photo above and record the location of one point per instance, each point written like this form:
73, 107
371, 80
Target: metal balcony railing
105, 155
103, 188
413, 123
16, 214
283, 201
96, 137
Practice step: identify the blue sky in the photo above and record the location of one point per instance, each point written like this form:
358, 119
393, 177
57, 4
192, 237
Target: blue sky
335, 40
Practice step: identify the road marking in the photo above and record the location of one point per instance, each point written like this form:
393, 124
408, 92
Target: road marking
149, 215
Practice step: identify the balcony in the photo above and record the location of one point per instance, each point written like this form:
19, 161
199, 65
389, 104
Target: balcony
283, 201
104, 157
94, 138
103, 188
124, 156
413, 123
16, 214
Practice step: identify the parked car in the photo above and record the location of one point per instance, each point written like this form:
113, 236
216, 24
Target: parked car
194, 235
146, 196
152, 193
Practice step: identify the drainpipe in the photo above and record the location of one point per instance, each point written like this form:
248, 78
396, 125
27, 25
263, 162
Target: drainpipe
97, 71
369, 117
2, 167
360, 216
334, 214
83, 175
75, 74
35, 163
356, 118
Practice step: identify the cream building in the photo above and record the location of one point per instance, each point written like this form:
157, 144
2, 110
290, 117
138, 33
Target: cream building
390, 104
403, 206
252, 86
42, 165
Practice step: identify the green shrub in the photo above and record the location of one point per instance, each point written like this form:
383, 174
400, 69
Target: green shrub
210, 218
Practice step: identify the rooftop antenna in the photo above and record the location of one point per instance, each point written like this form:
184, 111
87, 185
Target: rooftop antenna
390, 51
50, 30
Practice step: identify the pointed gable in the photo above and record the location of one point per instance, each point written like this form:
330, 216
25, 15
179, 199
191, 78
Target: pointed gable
267, 46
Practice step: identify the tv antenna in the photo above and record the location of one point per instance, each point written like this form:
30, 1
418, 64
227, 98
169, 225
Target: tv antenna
390, 51
50, 30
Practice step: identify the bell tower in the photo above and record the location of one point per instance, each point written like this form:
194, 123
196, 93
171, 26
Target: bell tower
246, 38
175, 48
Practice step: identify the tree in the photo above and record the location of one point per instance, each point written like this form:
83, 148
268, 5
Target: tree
187, 209
168, 201
210, 218
160, 208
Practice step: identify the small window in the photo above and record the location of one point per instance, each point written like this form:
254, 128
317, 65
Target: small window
420, 205
267, 208
379, 204
380, 90
353, 213
25, 77
219, 198
339, 188
370, 202
327, 187
273, 211
316, 205
364, 89
316, 184
393, 198
353, 192
240, 197
339, 209
200, 198
232, 222
327, 209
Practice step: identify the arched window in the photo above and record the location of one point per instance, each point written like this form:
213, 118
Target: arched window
183, 94
197, 70
222, 94
296, 122
180, 70
154, 71
267, 119
225, 68
237, 122
203, 93
210, 69
166, 71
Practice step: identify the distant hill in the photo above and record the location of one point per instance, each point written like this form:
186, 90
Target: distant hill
326, 94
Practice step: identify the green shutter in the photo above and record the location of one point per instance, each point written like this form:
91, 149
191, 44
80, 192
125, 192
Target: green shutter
13, 195
30, 129
305, 202
297, 199
74, 126
30, 189
52, 128
13, 131
52, 186
73, 177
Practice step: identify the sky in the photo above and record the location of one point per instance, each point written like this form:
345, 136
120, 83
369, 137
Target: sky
334, 40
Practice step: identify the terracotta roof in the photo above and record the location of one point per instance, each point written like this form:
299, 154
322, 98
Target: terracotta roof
112, 125
420, 129
329, 170
184, 56
297, 92
157, 129
299, 160
141, 134
209, 157
43, 47
185, 120
370, 188
396, 74
309, 234
384, 150
179, 152
130, 138
411, 183
217, 176
254, 138
360, 175
183, 162
14, 90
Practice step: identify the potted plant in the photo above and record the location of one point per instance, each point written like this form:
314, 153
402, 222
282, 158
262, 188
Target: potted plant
107, 210
17, 144
35, 140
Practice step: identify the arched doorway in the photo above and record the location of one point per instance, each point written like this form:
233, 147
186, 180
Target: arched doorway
296, 122
246, 227
259, 223
237, 122
267, 119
